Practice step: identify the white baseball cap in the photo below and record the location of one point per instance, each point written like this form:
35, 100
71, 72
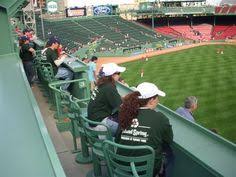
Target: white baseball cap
111, 68
148, 90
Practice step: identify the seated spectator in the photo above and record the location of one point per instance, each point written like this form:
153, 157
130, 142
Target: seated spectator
140, 124
190, 104
60, 71
105, 99
27, 54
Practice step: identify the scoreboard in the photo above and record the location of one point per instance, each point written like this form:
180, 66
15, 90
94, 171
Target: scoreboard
75, 12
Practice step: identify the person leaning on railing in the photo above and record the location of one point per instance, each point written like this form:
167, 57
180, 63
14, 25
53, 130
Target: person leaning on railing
56, 61
140, 124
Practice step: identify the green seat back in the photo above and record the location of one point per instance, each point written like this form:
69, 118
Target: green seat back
96, 137
128, 166
75, 111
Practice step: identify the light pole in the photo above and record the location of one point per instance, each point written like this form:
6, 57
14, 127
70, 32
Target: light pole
153, 9
42, 24
153, 16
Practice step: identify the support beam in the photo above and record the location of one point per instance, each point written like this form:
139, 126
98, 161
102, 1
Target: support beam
6, 44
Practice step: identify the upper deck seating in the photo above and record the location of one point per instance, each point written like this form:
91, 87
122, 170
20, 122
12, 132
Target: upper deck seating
218, 9
232, 9
225, 10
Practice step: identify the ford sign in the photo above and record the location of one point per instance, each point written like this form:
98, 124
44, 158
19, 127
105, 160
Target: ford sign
102, 10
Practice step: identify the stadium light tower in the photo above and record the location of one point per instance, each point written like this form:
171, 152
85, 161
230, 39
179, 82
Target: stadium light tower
153, 10
29, 16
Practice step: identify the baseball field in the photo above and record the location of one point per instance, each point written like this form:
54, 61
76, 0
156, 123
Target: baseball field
207, 72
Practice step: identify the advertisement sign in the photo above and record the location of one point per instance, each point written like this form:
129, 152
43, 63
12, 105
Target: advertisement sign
52, 6
75, 12
102, 10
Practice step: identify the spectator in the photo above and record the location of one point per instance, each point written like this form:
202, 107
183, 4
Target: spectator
85, 59
105, 99
57, 62
27, 54
190, 104
140, 124
92, 72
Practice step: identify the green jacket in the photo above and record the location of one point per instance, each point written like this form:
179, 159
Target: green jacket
104, 100
149, 128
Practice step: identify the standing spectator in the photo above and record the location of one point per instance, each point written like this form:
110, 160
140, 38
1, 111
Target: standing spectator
27, 54
142, 73
190, 104
105, 99
29, 33
92, 71
141, 125
60, 71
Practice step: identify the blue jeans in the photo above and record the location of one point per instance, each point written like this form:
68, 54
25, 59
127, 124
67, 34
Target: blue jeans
29, 70
169, 160
112, 125
65, 74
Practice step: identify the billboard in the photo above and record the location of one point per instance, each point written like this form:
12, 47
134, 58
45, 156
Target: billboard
75, 12
103, 10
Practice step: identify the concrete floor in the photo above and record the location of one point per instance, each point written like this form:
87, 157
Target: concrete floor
62, 141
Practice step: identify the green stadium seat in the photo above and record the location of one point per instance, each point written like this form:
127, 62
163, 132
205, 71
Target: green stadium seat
95, 139
128, 166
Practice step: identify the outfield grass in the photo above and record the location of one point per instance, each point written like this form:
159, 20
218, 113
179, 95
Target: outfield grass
201, 72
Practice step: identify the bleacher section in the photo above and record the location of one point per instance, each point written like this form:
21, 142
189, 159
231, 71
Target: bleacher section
224, 32
204, 32
109, 32
166, 30
198, 32
232, 10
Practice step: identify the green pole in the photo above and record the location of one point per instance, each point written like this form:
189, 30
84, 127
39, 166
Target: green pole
153, 17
